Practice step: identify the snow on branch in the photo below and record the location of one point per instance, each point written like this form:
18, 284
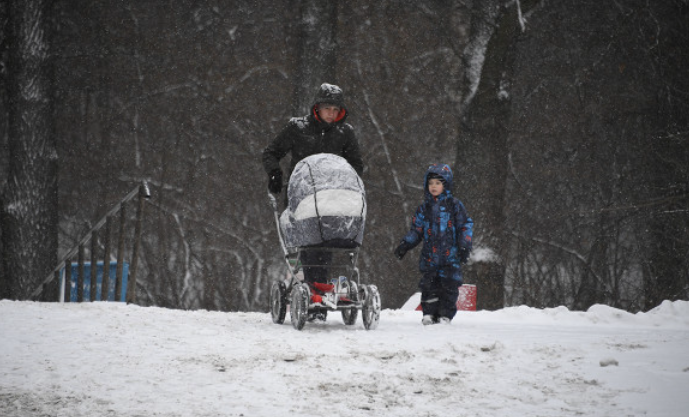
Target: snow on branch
520, 16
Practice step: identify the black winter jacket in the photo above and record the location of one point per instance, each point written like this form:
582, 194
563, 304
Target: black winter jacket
308, 135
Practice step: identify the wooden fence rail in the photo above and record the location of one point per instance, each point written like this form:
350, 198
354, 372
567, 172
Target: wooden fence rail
64, 291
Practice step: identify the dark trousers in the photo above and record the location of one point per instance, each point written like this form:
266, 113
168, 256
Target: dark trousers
439, 295
316, 273
320, 260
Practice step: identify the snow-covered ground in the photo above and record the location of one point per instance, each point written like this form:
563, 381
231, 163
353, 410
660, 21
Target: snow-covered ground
112, 359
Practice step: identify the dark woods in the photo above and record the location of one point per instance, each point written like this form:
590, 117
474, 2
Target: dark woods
566, 126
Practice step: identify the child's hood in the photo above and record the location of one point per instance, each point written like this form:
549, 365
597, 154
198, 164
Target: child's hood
444, 171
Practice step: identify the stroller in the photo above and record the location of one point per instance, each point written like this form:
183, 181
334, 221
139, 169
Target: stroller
325, 216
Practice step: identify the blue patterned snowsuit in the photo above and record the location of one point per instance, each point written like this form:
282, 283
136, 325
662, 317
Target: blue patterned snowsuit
445, 228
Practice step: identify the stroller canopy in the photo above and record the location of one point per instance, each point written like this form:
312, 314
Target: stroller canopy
326, 203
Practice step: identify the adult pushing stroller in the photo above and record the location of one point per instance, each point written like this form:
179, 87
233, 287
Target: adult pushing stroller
325, 217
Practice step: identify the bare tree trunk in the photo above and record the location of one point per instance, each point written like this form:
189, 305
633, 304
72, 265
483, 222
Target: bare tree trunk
29, 204
317, 50
482, 151
667, 276
666, 220
4, 285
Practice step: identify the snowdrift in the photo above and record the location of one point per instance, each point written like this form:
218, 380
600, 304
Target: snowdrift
122, 360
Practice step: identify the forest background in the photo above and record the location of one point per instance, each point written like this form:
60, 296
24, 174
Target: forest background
566, 124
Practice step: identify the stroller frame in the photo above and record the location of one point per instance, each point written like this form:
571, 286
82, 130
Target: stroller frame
349, 296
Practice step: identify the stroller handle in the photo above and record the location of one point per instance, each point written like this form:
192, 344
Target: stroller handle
274, 203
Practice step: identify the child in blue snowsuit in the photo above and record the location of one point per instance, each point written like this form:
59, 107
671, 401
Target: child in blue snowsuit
445, 228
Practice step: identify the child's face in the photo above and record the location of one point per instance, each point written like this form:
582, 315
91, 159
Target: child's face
328, 112
435, 187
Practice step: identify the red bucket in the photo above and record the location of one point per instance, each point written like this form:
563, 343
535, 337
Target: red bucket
467, 298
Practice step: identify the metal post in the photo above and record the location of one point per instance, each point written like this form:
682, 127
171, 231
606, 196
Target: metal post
60, 289
120, 253
106, 260
68, 280
80, 275
131, 282
94, 266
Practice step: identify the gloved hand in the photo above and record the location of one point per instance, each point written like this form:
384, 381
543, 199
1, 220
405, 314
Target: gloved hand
401, 250
463, 256
275, 181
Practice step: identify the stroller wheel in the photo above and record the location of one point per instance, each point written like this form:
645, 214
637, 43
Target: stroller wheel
299, 309
278, 302
370, 310
349, 315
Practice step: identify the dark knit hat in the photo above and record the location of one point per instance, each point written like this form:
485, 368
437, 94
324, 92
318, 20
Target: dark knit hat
329, 94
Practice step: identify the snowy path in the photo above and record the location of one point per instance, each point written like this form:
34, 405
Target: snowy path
107, 359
